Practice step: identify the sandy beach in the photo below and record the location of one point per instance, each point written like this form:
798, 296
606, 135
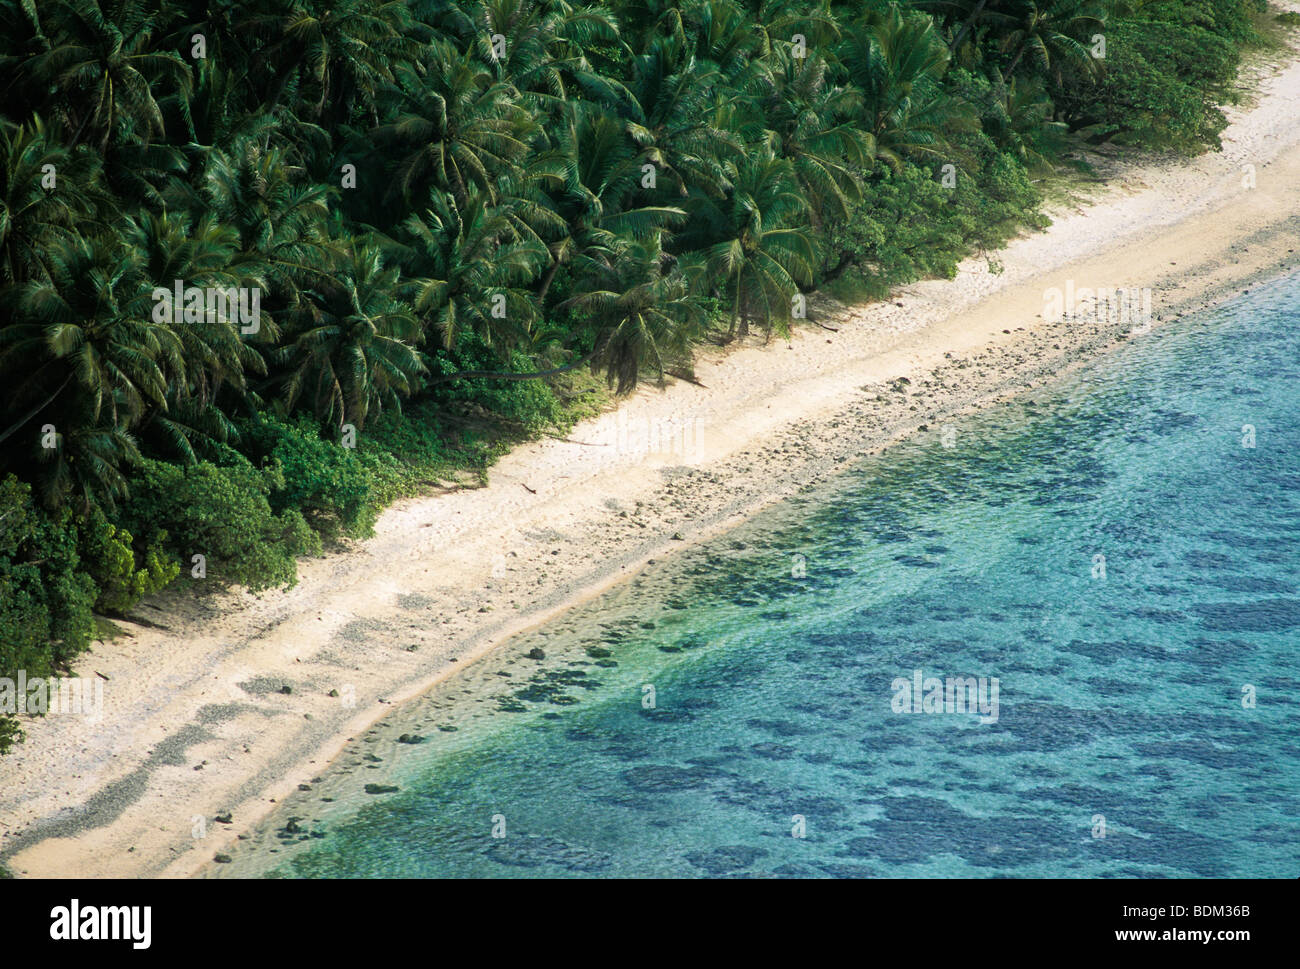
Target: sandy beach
225, 703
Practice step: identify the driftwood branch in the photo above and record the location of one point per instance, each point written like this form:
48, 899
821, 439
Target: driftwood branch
687, 377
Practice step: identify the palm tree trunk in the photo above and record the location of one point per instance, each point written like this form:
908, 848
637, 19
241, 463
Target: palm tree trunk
35, 410
507, 375
835, 272
966, 27
1011, 68
546, 280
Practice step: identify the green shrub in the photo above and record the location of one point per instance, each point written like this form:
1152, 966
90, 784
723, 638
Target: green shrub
123, 576
45, 597
328, 483
223, 513
1160, 88
532, 404
909, 227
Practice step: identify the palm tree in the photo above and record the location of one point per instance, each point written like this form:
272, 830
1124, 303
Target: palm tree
455, 126
93, 320
347, 48
545, 49
671, 115
85, 357
470, 271
202, 254
34, 217
352, 352
1053, 33
896, 62
278, 215
965, 15
24, 38
603, 194
90, 459
780, 20
1024, 125
756, 243
104, 72
813, 121
641, 311
727, 38
216, 113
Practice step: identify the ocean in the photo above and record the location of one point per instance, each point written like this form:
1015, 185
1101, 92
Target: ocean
1110, 563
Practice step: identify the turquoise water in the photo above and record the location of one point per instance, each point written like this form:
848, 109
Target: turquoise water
1120, 685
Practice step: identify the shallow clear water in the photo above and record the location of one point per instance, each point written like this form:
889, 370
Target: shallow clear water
1120, 691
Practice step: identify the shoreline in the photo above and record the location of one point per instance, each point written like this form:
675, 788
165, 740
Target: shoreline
195, 721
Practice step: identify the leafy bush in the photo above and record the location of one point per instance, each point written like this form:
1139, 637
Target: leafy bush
45, 597
327, 482
1161, 85
532, 404
223, 513
909, 226
122, 575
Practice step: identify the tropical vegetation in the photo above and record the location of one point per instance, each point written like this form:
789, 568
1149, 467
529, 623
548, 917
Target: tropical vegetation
453, 215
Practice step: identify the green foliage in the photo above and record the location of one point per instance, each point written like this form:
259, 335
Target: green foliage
46, 597
911, 227
531, 405
1164, 79
328, 483
223, 513
109, 555
451, 243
